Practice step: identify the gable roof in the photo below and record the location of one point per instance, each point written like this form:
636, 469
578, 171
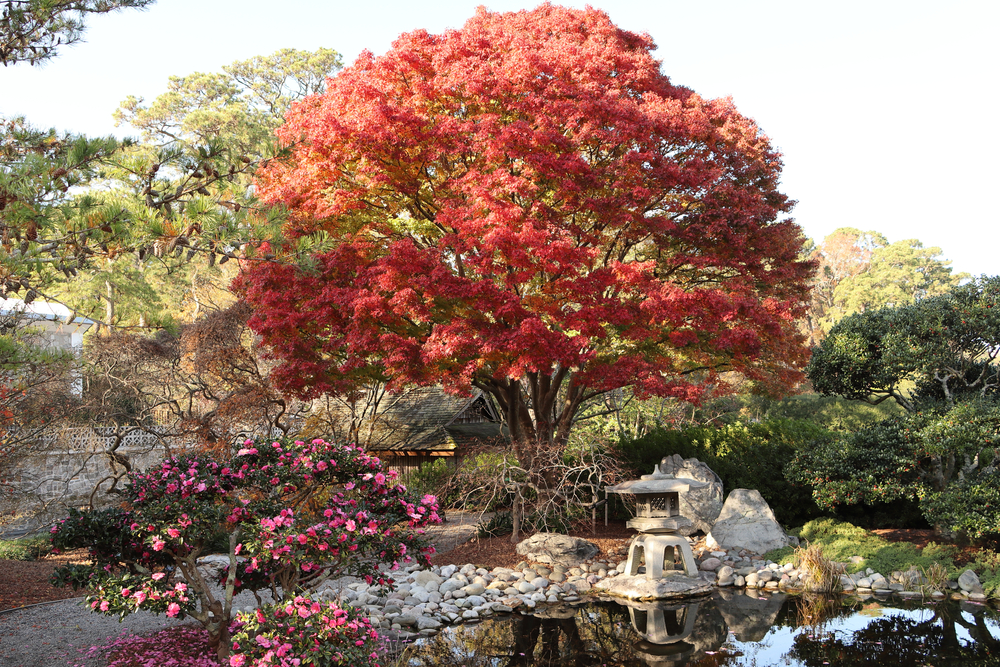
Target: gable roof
429, 420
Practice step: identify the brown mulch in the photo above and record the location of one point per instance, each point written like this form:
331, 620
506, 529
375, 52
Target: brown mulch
490, 552
27, 582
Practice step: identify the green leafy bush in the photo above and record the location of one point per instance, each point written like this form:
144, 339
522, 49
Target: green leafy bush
970, 507
744, 455
25, 548
941, 460
433, 477
831, 412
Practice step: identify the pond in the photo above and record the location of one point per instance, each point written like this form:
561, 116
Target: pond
727, 628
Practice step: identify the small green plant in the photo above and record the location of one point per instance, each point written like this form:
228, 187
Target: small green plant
25, 548
935, 579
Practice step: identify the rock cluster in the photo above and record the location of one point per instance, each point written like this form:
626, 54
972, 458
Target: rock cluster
424, 600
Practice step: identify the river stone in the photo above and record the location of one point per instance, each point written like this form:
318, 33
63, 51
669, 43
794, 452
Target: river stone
641, 588
525, 587
553, 548
701, 505
427, 623
969, 582
710, 564
424, 577
405, 620
747, 522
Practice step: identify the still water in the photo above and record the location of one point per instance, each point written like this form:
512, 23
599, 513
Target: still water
728, 628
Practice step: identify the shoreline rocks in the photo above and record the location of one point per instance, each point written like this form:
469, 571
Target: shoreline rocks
425, 600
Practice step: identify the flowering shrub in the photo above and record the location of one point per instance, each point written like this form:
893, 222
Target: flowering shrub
294, 513
304, 632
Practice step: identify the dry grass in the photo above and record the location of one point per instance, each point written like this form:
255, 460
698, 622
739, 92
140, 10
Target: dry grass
822, 575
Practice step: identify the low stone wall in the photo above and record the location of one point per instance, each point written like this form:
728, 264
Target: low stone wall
64, 471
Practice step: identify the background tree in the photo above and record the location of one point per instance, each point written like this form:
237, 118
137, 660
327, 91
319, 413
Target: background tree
181, 192
32, 30
943, 347
528, 206
859, 271
937, 359
207, 385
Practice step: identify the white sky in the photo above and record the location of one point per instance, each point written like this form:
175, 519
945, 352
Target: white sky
885, 110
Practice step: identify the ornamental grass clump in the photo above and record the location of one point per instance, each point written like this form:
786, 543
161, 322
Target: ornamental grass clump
295, 514
822, 575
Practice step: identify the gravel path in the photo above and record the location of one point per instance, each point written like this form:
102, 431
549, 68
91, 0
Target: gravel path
60, 634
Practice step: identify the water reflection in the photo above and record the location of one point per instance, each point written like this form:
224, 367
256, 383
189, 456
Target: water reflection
728, 628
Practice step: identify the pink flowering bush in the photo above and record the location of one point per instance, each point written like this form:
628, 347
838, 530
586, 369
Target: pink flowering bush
292, 513
302, 632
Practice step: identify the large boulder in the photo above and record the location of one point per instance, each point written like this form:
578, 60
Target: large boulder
557, 549
701, 505
746, 522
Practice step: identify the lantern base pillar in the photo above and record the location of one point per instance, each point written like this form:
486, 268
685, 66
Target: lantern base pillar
658, 550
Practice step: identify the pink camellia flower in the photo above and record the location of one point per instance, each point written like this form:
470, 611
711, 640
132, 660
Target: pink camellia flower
237, 660
158, 544
140, 597
173, 609
158, 575
104, 605
303, 539
126, 592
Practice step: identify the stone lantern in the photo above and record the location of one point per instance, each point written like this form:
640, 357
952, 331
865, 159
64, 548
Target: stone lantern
658, 518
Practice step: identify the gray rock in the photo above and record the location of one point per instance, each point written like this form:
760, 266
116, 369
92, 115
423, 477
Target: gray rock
449, 586
969, 582
702, 505
424, 577
427, 623
710, 564
641, 588
406, 620
553, 548
525, 587
746, 521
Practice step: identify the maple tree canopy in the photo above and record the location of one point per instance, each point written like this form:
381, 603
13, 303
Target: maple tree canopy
528, 206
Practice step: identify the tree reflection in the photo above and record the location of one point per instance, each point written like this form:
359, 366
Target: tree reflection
900, 640
712, 632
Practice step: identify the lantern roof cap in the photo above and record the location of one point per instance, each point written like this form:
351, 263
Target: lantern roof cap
658, 482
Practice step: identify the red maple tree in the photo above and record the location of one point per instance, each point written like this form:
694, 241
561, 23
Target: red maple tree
528, 206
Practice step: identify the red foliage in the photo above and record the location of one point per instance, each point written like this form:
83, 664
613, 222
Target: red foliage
529, 198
